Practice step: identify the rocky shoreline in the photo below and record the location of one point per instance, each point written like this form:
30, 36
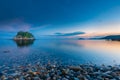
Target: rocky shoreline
60, 72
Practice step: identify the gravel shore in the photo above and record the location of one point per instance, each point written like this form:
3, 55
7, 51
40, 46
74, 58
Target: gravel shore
60, 72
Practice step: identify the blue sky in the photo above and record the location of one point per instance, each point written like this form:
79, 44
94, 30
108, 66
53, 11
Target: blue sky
47, 17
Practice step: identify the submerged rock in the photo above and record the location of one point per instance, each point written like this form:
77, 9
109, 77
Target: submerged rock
60, 72
75, 68
7, 51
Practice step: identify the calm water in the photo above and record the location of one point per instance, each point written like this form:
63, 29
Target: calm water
60, 52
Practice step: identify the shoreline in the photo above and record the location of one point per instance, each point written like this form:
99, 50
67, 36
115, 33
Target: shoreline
24, 39
60, 72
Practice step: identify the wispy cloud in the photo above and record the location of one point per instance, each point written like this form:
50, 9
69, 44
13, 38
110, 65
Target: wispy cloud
39, 27
69, 34
14, 25
18, 25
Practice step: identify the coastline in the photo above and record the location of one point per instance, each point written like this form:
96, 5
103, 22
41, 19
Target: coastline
23, 39
41, 69
60, 72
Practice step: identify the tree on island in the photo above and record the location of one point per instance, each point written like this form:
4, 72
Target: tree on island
24, 36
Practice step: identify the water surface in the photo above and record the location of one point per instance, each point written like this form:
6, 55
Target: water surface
70, 52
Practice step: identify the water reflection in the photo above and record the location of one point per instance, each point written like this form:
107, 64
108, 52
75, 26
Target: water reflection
101, 45
63, 51
24, 43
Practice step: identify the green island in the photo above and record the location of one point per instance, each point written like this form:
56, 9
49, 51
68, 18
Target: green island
24, 36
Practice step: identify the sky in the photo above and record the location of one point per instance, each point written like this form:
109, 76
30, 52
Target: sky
60, 18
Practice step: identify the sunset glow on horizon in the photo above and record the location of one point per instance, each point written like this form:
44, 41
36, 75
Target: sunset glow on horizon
46, 18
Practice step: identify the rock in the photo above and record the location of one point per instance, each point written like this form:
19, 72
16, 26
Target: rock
88, 77
65, 71
106, 76
75, 78
3, 77
1, 74
60, 72
25, 70
64, 78
21, 78
7, 51
15, 74
68, 77
97, 73
53, 66
36, 78
75, 68
108, 72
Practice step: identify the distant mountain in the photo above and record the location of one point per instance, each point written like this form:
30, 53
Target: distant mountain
88, 38
112, 37
81, 38
24, 36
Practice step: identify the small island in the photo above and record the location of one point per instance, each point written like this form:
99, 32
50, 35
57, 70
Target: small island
24, 36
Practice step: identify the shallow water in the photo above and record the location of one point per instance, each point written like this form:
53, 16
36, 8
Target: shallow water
70, 52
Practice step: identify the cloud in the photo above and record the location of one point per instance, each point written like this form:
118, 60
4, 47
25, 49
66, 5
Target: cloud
14, 25
18, 25
69, 34
39, 27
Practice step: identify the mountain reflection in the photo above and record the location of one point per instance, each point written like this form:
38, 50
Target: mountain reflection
24, 43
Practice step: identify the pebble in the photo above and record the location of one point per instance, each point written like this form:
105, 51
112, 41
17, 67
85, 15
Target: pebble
58, 72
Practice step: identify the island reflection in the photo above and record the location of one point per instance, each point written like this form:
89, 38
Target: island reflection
24, 43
